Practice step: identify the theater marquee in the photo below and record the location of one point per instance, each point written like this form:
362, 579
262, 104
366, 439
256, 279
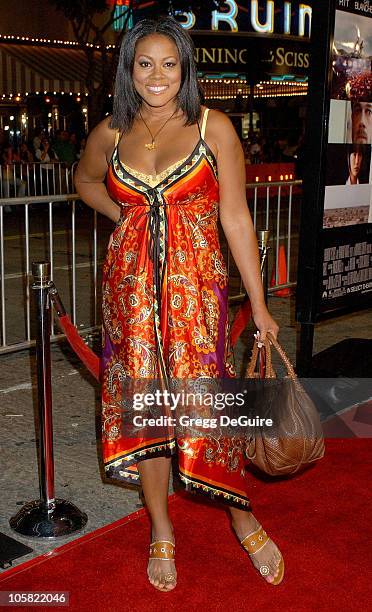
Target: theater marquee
270, 17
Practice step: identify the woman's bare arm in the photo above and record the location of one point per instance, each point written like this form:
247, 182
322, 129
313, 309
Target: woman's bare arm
235, 217
92, 168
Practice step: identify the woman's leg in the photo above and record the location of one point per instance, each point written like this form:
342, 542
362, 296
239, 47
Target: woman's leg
244, 523
154, 475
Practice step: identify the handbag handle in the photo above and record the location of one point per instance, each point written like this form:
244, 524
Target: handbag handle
270, 372
290, 370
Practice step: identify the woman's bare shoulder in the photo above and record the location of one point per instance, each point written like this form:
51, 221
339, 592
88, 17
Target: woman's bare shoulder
102, 135
218, 120
98, 150
220, 128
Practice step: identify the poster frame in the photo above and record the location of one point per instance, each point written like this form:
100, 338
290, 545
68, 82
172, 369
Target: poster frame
313, 236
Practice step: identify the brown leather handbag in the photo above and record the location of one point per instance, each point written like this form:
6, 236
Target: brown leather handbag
296, 438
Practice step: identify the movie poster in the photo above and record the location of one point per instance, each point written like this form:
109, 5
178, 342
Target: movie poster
347, 214
348, 191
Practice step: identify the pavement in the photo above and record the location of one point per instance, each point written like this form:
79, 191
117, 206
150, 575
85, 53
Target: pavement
76, 408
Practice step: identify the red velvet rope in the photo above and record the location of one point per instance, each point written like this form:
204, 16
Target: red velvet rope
87, 356
241, 321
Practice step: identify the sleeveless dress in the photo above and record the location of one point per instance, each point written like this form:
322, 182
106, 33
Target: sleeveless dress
165, 315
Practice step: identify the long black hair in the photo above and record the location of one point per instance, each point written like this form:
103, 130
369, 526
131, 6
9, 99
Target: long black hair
362, 149
127, 101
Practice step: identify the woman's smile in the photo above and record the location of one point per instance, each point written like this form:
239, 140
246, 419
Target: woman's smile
156, 89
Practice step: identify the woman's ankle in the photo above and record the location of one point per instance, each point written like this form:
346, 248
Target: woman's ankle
243, 523
162, 528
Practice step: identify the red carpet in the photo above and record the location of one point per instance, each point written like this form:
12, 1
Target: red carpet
321, 520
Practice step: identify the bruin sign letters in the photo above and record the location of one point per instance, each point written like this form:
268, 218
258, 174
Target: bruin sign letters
289, 18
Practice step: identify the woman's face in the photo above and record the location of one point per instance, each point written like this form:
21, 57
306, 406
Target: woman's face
157, 69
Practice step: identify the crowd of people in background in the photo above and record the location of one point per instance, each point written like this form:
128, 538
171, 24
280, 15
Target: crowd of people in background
260, 150
42, 151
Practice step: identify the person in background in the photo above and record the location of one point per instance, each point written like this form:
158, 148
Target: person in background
255, 151
83, 142
12, 185
290, 149
74, 141
25, 154
36, 142
47, 156
10, 173
64, 148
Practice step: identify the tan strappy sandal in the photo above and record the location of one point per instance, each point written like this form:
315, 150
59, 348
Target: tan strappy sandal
253, 543
165, 551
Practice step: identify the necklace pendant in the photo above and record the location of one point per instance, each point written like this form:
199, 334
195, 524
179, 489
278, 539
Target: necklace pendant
150, 146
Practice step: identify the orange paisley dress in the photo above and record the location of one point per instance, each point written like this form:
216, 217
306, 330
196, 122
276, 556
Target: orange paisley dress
165, 316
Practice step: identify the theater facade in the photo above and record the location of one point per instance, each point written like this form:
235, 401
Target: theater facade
252, 58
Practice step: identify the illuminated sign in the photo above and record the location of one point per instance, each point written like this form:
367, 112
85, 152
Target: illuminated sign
268, 17
279, 56
220, 55
261, 57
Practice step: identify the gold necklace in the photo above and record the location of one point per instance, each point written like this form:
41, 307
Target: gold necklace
150, 146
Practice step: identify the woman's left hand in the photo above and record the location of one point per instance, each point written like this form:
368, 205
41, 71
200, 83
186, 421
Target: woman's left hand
264, 322
111, 239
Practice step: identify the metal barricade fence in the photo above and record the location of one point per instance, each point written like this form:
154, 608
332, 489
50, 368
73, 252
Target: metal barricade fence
73, 237
36, 178
274, 206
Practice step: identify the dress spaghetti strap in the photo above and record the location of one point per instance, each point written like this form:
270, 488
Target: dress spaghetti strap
204, 123
117, 140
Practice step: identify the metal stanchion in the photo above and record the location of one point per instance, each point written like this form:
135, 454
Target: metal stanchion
263, 241
46, 517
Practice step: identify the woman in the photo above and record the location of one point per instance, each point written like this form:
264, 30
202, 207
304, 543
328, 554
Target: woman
47, 157
170, 167
12, 175
25, 154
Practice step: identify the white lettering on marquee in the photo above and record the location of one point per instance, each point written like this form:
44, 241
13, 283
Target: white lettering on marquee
267, 27
290, 58
220, 55
305, 11
287, 17
227, 17
188, 19
279, 57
